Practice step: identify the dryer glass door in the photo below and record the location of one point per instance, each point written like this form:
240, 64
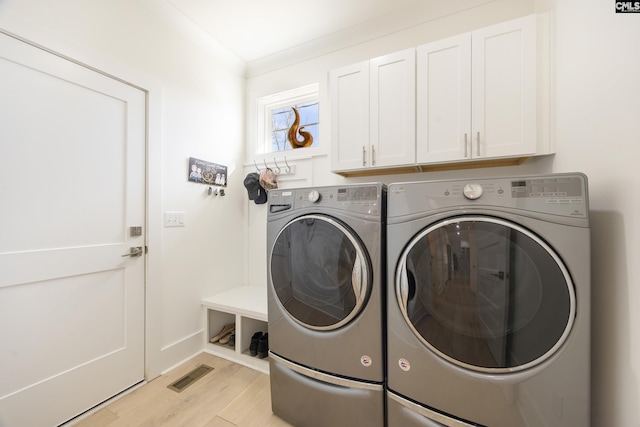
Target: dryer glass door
485, 294
320, 272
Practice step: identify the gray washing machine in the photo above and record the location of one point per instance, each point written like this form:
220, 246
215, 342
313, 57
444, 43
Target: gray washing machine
489, 302
326, 304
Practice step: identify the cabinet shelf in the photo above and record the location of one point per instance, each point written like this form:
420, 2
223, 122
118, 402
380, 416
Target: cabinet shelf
247, 307
437, 167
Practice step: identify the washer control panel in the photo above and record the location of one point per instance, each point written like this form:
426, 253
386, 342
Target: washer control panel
356, 198
314, 196
362, 198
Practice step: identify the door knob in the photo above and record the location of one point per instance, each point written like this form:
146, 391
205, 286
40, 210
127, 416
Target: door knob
499, 274
134, 251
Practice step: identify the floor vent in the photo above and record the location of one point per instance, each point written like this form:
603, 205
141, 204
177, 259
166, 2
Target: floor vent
190, 378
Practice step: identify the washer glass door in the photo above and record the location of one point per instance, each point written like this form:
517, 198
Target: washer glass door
485, 294
319, 272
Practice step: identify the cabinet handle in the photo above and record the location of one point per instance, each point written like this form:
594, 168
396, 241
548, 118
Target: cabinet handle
364, 156
466, 145
478, 146
373, 156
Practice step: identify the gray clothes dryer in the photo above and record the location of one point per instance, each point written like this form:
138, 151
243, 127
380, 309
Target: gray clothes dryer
489, 302
326, 314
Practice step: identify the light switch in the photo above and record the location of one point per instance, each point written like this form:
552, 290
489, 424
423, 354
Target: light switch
174, 219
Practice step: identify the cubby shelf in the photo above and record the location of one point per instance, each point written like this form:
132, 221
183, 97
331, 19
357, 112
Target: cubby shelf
247, 307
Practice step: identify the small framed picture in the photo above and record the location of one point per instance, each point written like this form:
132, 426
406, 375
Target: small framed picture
206, 172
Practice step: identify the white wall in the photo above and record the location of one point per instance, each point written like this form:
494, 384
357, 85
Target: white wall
598, 132
197, 110
597, 117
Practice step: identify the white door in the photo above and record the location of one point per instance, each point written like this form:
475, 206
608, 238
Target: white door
393, 109
491, 250
444, 100
72, 182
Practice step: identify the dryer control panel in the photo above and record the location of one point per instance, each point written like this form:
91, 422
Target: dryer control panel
558, 194
561, 189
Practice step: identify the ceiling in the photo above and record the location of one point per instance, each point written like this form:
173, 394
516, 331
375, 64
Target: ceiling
252, 32
253, 29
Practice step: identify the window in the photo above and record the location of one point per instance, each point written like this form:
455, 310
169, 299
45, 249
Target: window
276, 115
283, 118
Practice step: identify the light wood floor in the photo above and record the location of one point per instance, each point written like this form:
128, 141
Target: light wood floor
230, 395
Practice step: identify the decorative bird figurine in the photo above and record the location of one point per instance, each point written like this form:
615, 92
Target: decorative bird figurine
292, 137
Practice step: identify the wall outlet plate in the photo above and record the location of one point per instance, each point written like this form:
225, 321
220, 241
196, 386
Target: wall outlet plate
174, 219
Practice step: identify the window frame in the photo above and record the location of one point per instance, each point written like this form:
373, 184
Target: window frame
265, 106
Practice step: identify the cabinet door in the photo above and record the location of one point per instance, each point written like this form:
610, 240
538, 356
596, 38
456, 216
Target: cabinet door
393, 135
444, 100
349, 89
504, 89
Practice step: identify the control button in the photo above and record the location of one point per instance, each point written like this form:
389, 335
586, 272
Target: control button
472, 191
314, 196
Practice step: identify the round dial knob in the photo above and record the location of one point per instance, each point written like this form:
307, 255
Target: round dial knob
314, 196
472, 191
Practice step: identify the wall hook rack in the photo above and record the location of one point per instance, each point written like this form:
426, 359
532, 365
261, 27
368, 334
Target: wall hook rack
216, 191
287, 170
277, 169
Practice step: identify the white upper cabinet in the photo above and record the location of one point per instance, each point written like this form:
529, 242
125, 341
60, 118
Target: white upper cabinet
503, 86
373, 113
482, 95
349, 89
393, 110
476, 94
444, 100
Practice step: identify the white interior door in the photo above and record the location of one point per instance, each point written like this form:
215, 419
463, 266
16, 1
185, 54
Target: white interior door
492, 254
72, 182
